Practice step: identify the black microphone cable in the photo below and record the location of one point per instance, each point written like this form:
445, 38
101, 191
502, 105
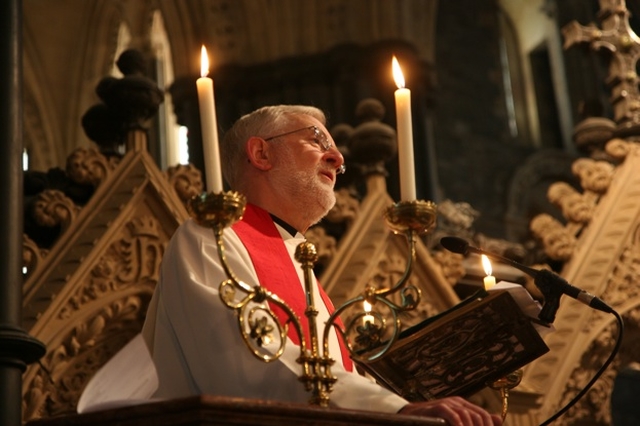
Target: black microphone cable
595, 378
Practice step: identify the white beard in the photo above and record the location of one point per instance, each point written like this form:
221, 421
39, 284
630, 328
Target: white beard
306, 187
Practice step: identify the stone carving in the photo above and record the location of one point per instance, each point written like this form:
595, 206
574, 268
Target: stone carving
325, 244
53, 208
595, 406
346, 208
618, 148
129, 261
186, 180
595, 176
32, 255
575, 207
557, 241
88, 166
65, 370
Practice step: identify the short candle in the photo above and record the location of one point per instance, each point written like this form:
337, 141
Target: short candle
489, 280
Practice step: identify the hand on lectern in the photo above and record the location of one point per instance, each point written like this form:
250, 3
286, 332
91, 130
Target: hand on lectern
456, 411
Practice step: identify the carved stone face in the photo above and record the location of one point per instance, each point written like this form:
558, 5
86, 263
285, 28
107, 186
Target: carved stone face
575, 208
558, 243
596, 177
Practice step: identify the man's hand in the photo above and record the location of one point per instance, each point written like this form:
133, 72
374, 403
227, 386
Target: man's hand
455, 410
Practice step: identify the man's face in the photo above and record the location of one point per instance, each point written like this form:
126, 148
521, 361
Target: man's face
304, 171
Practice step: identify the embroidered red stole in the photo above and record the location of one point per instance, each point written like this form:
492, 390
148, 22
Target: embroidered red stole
276, 272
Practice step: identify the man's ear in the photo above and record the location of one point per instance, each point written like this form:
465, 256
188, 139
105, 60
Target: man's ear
258, 153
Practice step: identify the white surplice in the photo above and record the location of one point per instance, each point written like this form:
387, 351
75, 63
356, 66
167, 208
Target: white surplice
196, 345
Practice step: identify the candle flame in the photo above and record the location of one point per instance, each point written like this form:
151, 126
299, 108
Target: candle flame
487, 265
204, 62
397, 73
367, 306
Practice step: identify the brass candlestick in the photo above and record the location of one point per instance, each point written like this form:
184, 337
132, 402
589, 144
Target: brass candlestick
412, 218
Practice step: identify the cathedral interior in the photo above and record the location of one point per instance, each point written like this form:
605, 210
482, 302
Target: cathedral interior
525, 122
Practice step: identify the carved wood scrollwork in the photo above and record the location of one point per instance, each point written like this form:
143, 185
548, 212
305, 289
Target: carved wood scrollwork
595, 407
88, 166
53, 208
32, 255
66, 368
559, 239
124, 278
622, 288
132, 260
186, 180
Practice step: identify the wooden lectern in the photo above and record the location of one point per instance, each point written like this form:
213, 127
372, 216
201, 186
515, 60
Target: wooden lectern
207, 410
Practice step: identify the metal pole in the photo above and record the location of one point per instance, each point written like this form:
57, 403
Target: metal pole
17, 348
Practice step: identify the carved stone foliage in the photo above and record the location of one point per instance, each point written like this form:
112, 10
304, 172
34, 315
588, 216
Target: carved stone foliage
325, 244
558, 239
53, 208
88, 166
346, 208
69, 364
595, 407
52, 200
186, 180
104, 314
134, 258
32, 255
622, 287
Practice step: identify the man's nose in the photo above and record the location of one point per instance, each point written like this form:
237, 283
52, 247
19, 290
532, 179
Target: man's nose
334, 157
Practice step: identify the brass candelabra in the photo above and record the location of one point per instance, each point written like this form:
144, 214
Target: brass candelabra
411, 218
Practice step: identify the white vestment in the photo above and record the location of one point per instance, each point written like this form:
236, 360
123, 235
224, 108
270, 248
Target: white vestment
196, 344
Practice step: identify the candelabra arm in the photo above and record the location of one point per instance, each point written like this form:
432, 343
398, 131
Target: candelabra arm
410, 218
256, 319
410, 294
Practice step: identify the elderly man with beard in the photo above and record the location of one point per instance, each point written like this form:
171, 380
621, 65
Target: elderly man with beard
284, 161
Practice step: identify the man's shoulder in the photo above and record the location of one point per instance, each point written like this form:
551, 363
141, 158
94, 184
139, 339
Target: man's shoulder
190, 230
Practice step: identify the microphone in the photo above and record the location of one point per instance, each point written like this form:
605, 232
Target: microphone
551, 285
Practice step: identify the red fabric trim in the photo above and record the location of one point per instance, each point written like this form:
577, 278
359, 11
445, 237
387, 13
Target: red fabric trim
275, 270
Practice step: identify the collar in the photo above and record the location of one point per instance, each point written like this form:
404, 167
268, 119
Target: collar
290, 229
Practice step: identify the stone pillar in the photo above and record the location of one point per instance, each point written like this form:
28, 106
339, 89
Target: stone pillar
17, 348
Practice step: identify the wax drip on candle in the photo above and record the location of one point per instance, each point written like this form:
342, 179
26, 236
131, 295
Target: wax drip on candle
489, 280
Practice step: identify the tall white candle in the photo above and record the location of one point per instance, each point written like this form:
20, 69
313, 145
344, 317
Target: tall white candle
209, 126
405, 135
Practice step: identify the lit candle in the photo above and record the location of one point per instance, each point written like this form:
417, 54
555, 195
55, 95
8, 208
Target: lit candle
489, 280
405, 135
209, 127
368, 318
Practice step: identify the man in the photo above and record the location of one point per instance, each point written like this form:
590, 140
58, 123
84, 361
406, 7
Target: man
284, 161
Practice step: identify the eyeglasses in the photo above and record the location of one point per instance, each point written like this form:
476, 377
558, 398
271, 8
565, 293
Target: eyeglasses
319, 138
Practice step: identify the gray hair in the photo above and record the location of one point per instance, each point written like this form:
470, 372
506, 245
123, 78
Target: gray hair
263, 122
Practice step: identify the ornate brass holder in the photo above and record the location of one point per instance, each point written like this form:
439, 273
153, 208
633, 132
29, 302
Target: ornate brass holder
504, 385
412, 218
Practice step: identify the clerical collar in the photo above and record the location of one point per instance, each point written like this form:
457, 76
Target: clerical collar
290, 229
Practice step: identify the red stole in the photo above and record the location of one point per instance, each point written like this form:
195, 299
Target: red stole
276, 272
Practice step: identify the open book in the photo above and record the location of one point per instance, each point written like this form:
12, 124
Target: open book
461, 350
